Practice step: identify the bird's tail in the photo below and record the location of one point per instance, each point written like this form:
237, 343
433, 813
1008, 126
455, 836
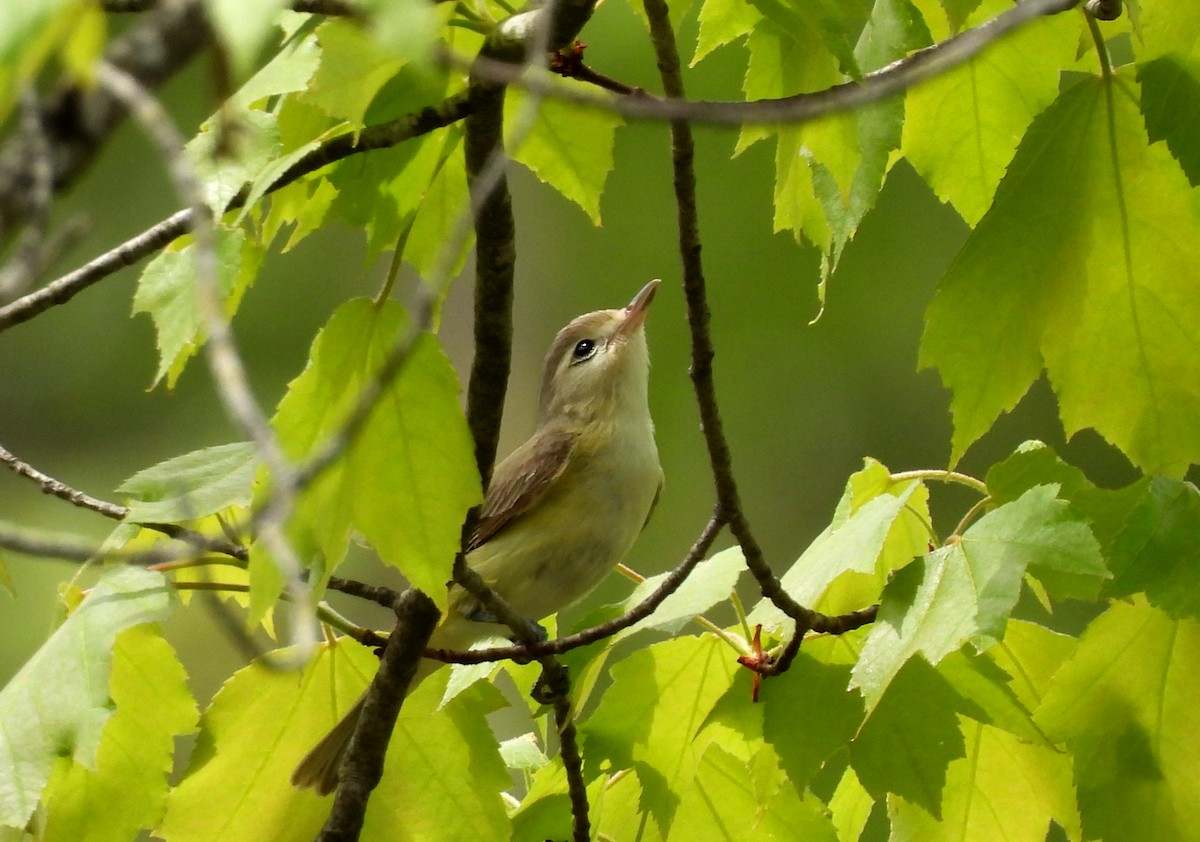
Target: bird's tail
319, 768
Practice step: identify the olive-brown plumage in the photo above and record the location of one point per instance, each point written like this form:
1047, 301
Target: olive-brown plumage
563, 508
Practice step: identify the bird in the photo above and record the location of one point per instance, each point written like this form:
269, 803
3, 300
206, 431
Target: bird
564, 508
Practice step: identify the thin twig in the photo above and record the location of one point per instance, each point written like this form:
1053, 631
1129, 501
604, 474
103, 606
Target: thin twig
362, 767
729, 505
607, 629
79, 117
224, 360
28, 257
62, 290
374, 593
380, 136
60, 489
891, 79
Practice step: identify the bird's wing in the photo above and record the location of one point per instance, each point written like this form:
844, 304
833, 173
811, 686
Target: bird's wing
521, 480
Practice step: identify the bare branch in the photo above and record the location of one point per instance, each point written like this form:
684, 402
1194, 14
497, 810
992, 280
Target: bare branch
63, 289
374, 593
28, 259
224, 360
332, 8
78, 120
892, 79
380, 136
607, 629
61, 490
362, 767
729, 506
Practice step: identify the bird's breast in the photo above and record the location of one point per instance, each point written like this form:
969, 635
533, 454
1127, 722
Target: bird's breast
584, 526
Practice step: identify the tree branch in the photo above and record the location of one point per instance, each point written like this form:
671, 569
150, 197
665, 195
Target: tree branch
898, 76
228, 372
28, 257
78, 120
729, 506
362, 766
566, 643
380, 136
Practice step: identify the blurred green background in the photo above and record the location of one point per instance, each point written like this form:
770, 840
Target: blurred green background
803, 404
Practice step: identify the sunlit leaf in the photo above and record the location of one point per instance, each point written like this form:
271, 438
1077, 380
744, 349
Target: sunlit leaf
194, 485
568, 146
722, 21
909, 738
1093, 281
126, 791
169, 293
409, 476
1124, 704
57, 705
966, 590
1003, 789
243, 29
961, 128
710, 582
723, 803
1158, 550
809, 685
659, 700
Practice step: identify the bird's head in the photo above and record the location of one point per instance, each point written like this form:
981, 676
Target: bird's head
598, 364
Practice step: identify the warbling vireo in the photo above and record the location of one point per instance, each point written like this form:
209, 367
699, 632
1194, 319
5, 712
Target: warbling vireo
565, 507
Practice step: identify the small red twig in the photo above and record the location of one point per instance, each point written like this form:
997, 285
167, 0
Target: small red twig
759, 662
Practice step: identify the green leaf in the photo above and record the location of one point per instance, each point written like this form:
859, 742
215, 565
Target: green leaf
443, 776
835, 25
1033, 463
722, 21
1031, 654
1101, 266
126, 792
167, 292
909, 739
850, 807
230, 150
1125, 705
966, 590
647, 720
723, 802
383, 192
354, 67
829, 171
287, 71
435, 247
1171, 103
1158, 550
243, 29
852, 546
252, 735
710, 582
961, 128
568, 146
29, 35
809, 685
194, 485
987, 696
622, 817
1003, 789
58, 703
409, 477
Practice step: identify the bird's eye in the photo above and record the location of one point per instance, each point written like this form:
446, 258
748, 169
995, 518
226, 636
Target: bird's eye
584, 349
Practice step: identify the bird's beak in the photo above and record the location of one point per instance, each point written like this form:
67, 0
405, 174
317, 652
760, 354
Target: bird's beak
635, 313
